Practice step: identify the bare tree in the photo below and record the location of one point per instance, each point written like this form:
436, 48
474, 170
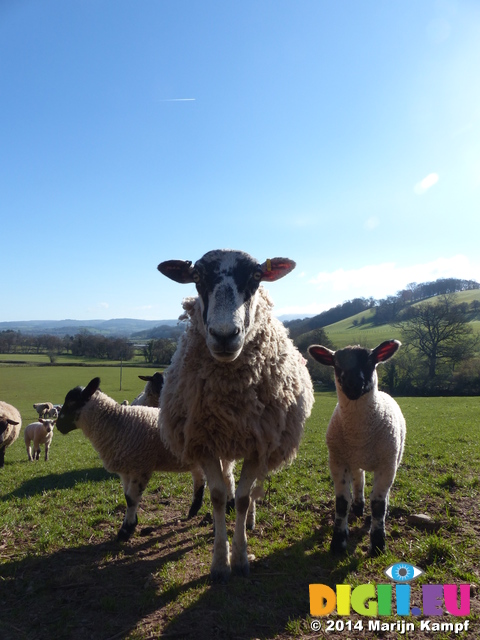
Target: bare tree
440, 331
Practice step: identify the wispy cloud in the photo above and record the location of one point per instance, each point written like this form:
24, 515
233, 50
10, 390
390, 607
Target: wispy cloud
427, 183
178, 100
379, 280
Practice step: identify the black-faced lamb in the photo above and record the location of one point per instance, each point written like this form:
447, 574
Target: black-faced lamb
237, 388
366, 433
40, 432
151, 393
129, 443
10, 425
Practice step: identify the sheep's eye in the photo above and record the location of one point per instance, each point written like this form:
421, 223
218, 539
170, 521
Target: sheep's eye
195, 277
257, 275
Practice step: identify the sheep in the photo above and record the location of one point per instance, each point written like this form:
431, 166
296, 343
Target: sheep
150, 397
236, 388
151, 393
366, 433
40, 432
46, 410
129, 443
10, 425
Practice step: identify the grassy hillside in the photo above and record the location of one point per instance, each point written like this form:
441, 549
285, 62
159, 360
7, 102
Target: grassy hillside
345, 332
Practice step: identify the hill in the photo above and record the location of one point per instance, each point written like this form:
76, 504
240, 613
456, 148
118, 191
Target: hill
360, 329
121, 327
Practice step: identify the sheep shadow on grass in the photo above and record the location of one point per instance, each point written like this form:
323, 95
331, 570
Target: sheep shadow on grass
158, 584
38, 485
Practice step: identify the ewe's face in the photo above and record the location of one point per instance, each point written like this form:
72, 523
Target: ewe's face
70, 410
227, 283
355, 371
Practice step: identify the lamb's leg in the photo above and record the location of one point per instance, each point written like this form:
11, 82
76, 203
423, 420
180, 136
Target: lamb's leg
36, 452
342, 478
242, 503
29, 450
220, 569
46, 451
382, 481
358, 506
198, 490
133, 486
227, 471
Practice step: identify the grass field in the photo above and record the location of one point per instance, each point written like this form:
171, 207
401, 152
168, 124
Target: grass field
62, 575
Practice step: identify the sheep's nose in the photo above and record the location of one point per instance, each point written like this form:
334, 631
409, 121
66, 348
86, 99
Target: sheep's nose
224, 336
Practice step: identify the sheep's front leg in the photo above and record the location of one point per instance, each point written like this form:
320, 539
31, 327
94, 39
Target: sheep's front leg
198, 490
220, 569
342, 479
228, 478
133, 487
382, 481
29, 451
358, 506
46, 451
242, 505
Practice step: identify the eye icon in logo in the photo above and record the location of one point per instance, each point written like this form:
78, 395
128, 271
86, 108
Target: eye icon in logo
403, 572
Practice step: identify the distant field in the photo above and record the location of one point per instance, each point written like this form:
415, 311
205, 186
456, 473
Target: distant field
62, 575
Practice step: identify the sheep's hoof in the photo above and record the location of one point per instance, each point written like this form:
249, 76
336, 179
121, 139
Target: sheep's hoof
339, 542
241, 570
357, 508
377, 542
220, 576
126, 531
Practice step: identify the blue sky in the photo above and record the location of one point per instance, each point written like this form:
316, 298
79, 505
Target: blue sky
342, 134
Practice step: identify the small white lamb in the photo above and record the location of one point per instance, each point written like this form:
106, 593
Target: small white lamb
10, 425
129, 443
366, 433
46, 410
40, 432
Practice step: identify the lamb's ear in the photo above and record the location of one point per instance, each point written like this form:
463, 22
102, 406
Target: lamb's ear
177, 270
90, 389
322, 354
385, 350
275, 268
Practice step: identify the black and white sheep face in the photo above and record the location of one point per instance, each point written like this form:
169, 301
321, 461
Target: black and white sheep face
75, 400
355, 367
227, 282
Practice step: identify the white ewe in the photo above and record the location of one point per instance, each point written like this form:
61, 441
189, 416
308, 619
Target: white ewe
10, 424
46, 410
237, 388
40, 432
366, 433
129, 443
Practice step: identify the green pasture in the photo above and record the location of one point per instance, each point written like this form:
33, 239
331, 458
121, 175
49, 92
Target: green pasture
62, 575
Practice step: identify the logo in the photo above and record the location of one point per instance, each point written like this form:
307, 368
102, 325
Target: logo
377, 599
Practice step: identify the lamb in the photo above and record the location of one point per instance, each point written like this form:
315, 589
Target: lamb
129, 443
46, 410
366, 433
237, 388
10, 425
151, 393
40, 432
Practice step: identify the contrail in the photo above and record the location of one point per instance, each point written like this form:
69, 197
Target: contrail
178, 100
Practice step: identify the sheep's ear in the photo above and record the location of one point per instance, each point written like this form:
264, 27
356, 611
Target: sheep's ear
275, 268
90, 389
322, 354
385, 350
177, 270
146, 378
12, 422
